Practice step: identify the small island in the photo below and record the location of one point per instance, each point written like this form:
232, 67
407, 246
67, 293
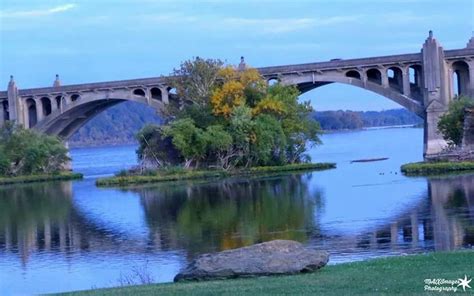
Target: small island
27, 156
224, 121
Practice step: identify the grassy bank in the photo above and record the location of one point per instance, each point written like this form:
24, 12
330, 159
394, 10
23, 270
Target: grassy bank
40, 178
403, 275
175, 175
432, 168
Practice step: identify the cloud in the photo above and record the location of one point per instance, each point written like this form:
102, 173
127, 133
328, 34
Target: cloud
263, 25
11, 14
269, 25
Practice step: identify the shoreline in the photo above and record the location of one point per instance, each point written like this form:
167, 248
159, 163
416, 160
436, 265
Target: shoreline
436, 168
161, 177
132, 143
402, 274
63, 176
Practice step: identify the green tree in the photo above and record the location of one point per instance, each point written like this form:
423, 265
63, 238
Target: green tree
269, 144
25, 152
188, 139
155, 149
233, 119
451, 124
299, 127
219, 142
241, 128
194, 82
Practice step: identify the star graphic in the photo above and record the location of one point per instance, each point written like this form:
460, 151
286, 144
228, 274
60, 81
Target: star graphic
464, 283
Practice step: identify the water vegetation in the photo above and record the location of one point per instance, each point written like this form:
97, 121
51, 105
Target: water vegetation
404, 275
433, 168
60, 176
127, 178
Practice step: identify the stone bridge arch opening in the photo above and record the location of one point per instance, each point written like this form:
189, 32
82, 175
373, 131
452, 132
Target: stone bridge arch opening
371, 81
66, 114
460, 78
337, 92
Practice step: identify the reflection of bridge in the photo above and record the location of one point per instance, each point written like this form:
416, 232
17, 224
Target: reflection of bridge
55, 224
421, 82
429, 225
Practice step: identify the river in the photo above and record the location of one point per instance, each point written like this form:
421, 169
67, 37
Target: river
63, 236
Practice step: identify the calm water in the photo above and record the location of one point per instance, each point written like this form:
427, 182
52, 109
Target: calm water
66, 236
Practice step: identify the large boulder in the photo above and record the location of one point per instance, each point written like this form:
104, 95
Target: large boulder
270, 258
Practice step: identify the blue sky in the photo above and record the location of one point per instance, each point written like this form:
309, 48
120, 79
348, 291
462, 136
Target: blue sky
86, 41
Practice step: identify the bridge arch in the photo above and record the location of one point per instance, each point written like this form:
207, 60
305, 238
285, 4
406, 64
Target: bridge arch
46, 106
353, 74
374, 75
395, 78
75, 97
460, 78
156, 93
72, 115
306, 83
31, 112
139, 92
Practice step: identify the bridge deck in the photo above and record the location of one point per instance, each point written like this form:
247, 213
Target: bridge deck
267, 71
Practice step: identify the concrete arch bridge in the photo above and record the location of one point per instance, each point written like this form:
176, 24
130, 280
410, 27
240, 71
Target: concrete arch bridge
423, 82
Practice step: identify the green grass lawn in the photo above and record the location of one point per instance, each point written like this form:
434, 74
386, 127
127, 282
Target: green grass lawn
403, 275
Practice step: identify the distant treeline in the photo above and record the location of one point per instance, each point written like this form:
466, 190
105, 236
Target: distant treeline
340, 120
119, 124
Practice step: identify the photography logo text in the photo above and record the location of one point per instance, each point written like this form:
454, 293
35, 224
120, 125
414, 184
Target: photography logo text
448, 285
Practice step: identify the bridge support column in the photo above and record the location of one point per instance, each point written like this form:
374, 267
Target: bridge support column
54, 105
164, 95
435, 95
406, 81
384, 77
39, 109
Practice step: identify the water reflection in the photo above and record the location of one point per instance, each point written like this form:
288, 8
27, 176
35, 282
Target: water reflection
232, 213
36, 219
42, 223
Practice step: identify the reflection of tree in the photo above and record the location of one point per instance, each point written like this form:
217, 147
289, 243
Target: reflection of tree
31, 215
231, 213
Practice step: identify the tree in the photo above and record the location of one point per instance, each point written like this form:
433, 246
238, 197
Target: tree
451, 124
299, 128
25, 152
227, 97
194, 81
268, 146
237, 121
155, 149
235, 89
219, 142
188, 139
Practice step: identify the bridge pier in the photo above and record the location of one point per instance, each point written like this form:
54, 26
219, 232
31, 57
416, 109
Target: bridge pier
435, 94
406, 81
15, 107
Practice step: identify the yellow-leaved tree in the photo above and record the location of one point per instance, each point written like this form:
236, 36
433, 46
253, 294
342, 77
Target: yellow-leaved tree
235, 87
